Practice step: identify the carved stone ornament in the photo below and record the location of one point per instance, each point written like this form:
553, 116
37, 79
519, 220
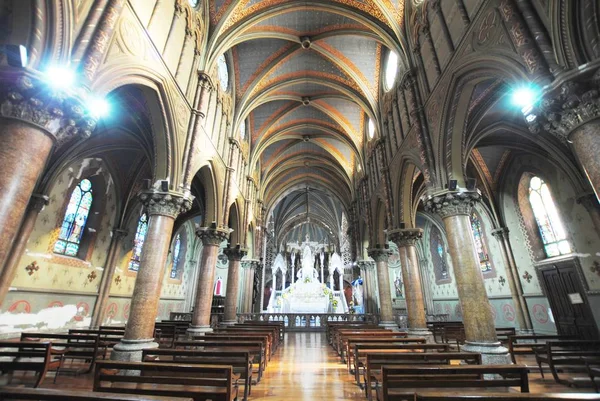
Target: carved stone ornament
235, 254
379, 254
500, 233
38, 201
212, 236
119, 232
366, 265
166, 203
567, 107
27, 98
452, 203
250, 264
405, 237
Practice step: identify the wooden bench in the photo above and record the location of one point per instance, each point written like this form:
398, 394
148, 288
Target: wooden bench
343, 334
37, 357
240, 361
526, 344
437, 328
44, 394
254, 348
439, 396
272, 332
384, 337
397, 380
331, 327
376, 360
79, 347
108, 338
335, 332
236, 337
572, 355
361, 349
504, 333
280, 325
198, 382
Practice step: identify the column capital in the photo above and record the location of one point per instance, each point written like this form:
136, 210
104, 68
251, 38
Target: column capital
405, 236
379, 254
452, 203
204, 81
212, 235
170, 203
38, 201
62, 115
567, 105
250, 263
235, 253
118, 232
500, 233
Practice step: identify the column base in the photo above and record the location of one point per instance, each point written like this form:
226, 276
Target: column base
131, 350
199, 330
390, 325
419, 332
228, 322
491, 353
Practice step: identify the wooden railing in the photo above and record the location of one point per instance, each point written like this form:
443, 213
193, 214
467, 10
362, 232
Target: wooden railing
306, 321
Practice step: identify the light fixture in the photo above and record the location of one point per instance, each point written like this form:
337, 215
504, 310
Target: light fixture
98, 107
60, 78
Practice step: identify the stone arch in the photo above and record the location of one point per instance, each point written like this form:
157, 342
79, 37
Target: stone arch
406, 200
236, 224
207, 178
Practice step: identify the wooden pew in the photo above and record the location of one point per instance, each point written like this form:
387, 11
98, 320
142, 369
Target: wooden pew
199, 382
272, 332
361, 350
376, 360
331, 327
44, 394
240, 361
258, 323
437, 328
264, 339
504, 333
38, 357
526, 344
572, 355
108, 338
439, 396
76, 346
338, 344
255, 348
348, 344
397, 380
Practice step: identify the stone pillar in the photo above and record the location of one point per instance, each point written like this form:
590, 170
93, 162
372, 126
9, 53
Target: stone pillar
455, 209
235, 255
514, 283
162, 209
33, 120
415, 306
386, 313
367, 269
249, 267
7, 274
106, 282
211, 238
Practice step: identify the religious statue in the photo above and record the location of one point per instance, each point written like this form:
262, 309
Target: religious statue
307, 272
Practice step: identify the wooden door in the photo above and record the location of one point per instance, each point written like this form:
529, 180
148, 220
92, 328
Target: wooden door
568, 301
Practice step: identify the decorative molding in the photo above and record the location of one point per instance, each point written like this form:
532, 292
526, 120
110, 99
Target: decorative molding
212, 235
169, 204
235, 254
405, 237
500, 233
452, 203
379, 254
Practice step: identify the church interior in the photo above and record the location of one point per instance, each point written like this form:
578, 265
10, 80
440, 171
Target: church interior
247, 199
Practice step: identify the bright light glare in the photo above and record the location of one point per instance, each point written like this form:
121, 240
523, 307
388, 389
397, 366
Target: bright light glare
60, 77
371, 129
391, 69
98, 107
524, 97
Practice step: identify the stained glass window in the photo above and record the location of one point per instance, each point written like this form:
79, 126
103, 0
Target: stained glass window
138, 243
548, 221
223, 72
484, 258
438, 254
75, 218
243, 130
176, 254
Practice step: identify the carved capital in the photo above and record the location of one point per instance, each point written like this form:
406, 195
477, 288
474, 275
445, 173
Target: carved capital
169, 204
405, 236
38, 201
235, 254
452, 203
366, 265
212, 235
568, 106
500, 233
27, 98
379, 254
119, 232
250, 264
204, 81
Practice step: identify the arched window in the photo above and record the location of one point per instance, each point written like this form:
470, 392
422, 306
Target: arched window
371, 129
75, 218
391, 70
138, 243
438, 255
176, 254
243, 130
484, 258
548, 221
223, 72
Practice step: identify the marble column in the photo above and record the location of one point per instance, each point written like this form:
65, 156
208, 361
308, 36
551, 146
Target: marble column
211, 238
386, 313
455, 210
235, 256
249, 268
7, 274
107, 276
367, 269
586, 144
162, 209
415, 306
33, 121
514, 283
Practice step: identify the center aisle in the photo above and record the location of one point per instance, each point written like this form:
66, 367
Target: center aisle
306, 368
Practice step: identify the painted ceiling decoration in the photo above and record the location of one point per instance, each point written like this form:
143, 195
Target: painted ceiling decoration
306, 79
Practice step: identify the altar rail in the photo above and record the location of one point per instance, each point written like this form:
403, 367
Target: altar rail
306, 321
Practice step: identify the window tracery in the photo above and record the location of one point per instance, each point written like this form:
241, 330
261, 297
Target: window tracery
138, 243
76, 216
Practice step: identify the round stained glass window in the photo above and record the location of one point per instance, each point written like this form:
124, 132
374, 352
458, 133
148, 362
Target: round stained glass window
391, 70
243, 130
371, 129
223, 72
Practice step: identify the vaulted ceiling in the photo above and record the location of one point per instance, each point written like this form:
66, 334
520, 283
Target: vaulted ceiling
306, 81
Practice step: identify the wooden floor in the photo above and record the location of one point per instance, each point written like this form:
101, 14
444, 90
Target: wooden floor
307, 368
